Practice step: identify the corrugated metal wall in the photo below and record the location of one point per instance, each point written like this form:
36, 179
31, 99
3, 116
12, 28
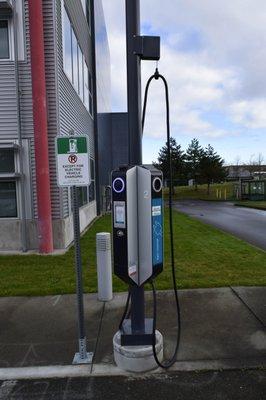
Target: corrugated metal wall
8, 103
26, 101
52, 99
72, 113
65, 109
25, 84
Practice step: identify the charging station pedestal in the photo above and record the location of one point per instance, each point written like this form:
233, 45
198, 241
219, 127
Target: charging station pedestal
138, 254
137, 358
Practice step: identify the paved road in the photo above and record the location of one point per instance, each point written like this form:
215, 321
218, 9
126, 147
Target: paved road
221, 385
246, 223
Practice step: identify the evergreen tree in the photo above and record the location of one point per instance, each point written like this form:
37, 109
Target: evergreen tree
194, 155
211, 167
178, 158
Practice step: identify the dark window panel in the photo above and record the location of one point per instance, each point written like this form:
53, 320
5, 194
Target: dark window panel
75, 62
92, 169
92, 191
90, 83
89, 13
7, 164
4, 40
82, 196
8, 200
86, 85
91, 105
67, 46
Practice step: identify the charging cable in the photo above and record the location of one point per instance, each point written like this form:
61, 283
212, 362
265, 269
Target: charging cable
172, 360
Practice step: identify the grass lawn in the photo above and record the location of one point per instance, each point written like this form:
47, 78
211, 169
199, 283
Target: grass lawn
205, 257
225, 192
259, 205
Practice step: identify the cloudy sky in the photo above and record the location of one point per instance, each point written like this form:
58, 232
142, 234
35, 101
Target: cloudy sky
214, 57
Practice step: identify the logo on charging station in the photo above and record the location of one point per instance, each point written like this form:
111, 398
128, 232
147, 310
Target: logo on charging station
157, 232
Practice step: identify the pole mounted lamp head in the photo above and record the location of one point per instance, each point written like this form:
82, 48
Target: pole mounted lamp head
147, 47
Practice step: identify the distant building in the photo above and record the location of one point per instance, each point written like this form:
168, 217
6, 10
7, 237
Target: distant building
75, 82
252, 190
236, 172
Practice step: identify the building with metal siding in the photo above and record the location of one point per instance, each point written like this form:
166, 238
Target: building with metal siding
70, 109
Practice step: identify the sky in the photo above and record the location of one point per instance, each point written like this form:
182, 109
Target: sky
213, 55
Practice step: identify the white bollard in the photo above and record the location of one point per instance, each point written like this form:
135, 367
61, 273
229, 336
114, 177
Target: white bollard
104, 266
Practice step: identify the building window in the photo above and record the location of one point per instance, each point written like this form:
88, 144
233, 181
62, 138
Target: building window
87, 10
75, 66
4, 40
82, 196
84, 5
75, 61
86, 85
7, 161
8, 200
90, 95
81, 72
67, 46
8, 187
89, 13
92, 184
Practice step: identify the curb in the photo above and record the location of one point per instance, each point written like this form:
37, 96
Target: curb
252, 208
102, 370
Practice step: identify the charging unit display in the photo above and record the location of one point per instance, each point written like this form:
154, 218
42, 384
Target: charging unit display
137, 223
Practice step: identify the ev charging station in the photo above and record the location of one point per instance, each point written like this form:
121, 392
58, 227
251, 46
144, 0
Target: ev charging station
137, 235
137, 224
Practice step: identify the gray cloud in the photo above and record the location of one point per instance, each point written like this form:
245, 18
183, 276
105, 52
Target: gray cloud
225, 73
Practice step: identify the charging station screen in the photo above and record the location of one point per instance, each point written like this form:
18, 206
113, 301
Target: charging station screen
119, 214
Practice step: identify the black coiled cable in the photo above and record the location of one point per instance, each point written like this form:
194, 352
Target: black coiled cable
126, 313
170, 362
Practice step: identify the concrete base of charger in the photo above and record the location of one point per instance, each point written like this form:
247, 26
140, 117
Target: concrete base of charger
137, 358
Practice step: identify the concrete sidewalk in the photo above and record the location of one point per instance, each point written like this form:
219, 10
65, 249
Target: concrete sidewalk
221, 328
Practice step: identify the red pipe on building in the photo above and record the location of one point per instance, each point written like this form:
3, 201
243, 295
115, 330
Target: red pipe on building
45, 229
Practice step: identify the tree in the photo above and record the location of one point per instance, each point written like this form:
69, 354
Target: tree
178, 158
211, 167
194, 155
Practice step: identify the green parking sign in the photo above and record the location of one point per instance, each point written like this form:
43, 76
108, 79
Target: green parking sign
72, 161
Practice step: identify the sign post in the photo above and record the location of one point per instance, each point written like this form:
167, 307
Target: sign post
72, 171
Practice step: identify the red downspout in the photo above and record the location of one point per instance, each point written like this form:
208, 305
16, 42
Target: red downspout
45, 230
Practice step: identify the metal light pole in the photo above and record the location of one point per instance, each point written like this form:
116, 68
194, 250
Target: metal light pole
134, 135
138, 48
133, 83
